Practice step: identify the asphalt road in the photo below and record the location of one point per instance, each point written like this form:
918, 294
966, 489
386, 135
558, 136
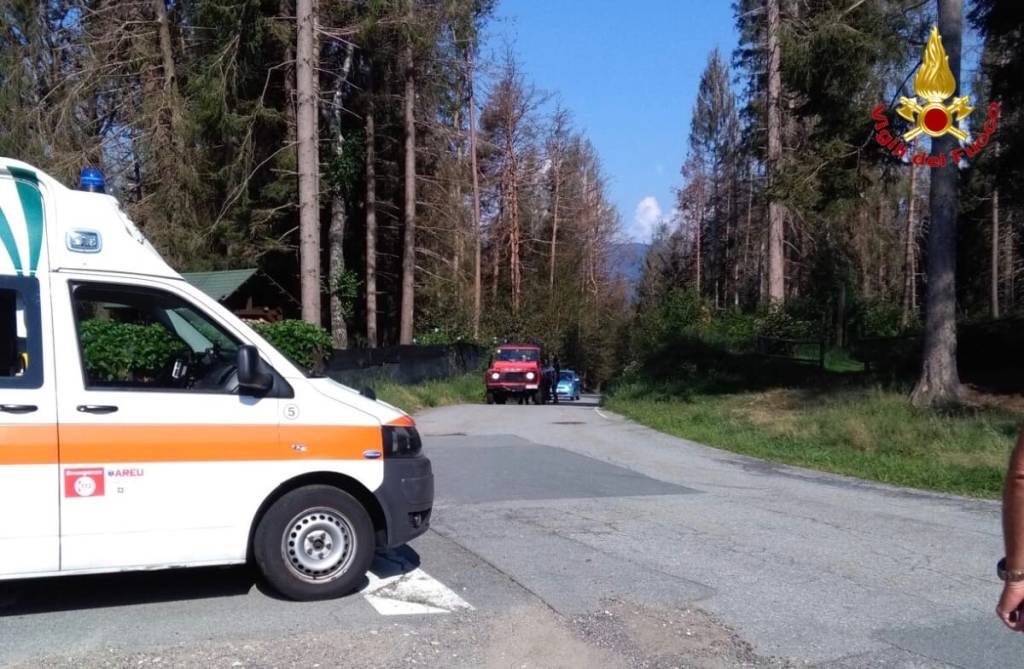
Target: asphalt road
564, 536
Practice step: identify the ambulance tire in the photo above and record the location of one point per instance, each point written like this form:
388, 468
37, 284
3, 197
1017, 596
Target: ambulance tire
336, 511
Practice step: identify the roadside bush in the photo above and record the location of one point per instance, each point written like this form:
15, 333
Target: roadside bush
681, 313
306, 344
117, 351
439, 336
877, 318
785, 323
734, 330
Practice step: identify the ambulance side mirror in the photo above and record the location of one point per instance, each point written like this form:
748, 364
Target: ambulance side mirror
253, 379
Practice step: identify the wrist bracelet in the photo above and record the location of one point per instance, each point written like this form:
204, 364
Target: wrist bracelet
1009, 575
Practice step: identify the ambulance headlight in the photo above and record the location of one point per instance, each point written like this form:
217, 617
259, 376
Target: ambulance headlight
530, 376
401, 442
84, 241
495, 376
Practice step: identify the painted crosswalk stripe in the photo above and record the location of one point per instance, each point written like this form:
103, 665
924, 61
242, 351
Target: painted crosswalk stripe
411, 593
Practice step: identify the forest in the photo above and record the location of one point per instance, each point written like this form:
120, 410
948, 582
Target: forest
407, 187
799, 209
347, 149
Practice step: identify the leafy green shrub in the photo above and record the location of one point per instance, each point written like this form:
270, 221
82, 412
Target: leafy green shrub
784, 324
346, 289
877, 318
734, 330
306, 344
435, 337
127, 351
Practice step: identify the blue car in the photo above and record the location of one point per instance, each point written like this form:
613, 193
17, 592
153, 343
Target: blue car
568, 385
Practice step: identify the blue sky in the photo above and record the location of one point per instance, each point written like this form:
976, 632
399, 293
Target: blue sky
628, 72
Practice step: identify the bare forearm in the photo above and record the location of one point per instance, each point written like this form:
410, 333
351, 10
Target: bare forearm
1013, 508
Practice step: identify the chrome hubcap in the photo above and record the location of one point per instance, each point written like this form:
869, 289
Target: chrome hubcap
318, 545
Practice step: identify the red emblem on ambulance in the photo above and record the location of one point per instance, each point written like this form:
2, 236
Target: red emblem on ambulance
85, 482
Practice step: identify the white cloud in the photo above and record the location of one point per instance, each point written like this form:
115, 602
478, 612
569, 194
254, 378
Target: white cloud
646, 219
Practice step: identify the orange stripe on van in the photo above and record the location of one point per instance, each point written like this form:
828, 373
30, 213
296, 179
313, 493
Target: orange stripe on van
28, 444
88, 444
402, 421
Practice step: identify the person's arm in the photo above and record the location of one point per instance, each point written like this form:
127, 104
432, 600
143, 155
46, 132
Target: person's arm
1013, 536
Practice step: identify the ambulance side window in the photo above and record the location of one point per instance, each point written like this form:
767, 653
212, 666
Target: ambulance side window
21, 350
132, 337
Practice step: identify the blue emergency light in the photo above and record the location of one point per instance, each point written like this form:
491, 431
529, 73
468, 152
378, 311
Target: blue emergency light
92, 181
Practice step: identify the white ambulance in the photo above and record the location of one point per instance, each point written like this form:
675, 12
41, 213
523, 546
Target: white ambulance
143, 426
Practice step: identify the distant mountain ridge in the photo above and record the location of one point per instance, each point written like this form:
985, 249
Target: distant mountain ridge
627, 262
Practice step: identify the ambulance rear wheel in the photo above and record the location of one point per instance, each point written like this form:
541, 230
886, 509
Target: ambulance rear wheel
315, 542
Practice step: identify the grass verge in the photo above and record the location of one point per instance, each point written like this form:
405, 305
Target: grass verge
869, 433
463, 389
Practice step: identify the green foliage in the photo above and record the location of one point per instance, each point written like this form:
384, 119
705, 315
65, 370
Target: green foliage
346, 288
411, 398
343, 169
787, 324
732, 329
877, 318
127, 351
869, 433
435, 337
681, 312
305, 344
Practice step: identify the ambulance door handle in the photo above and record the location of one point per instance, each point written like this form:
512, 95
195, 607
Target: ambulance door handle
97, 408
18, 408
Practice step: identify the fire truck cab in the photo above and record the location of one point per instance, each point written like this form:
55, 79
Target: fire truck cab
515, 372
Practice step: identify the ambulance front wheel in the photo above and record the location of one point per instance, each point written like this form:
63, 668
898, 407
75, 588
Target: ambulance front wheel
314, 542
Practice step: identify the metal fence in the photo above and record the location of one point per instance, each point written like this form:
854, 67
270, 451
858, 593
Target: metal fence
404, 364
811, 351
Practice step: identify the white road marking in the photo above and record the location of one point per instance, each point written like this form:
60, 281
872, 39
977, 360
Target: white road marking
411, 593
601, 414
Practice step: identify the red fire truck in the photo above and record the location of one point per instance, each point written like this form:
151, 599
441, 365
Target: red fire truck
515, 373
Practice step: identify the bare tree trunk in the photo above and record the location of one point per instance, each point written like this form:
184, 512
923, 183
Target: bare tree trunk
164, 30
495, 261
776, 212
1008, 269
910, 255
336, 230
512, 208
841, 316
336, 258
700, 232
476, 196
995, 253
865, 254
554, 225
309, 210
939, 384
371, 228
734, 216
409, 237
284, 9
455, 198
746, 231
